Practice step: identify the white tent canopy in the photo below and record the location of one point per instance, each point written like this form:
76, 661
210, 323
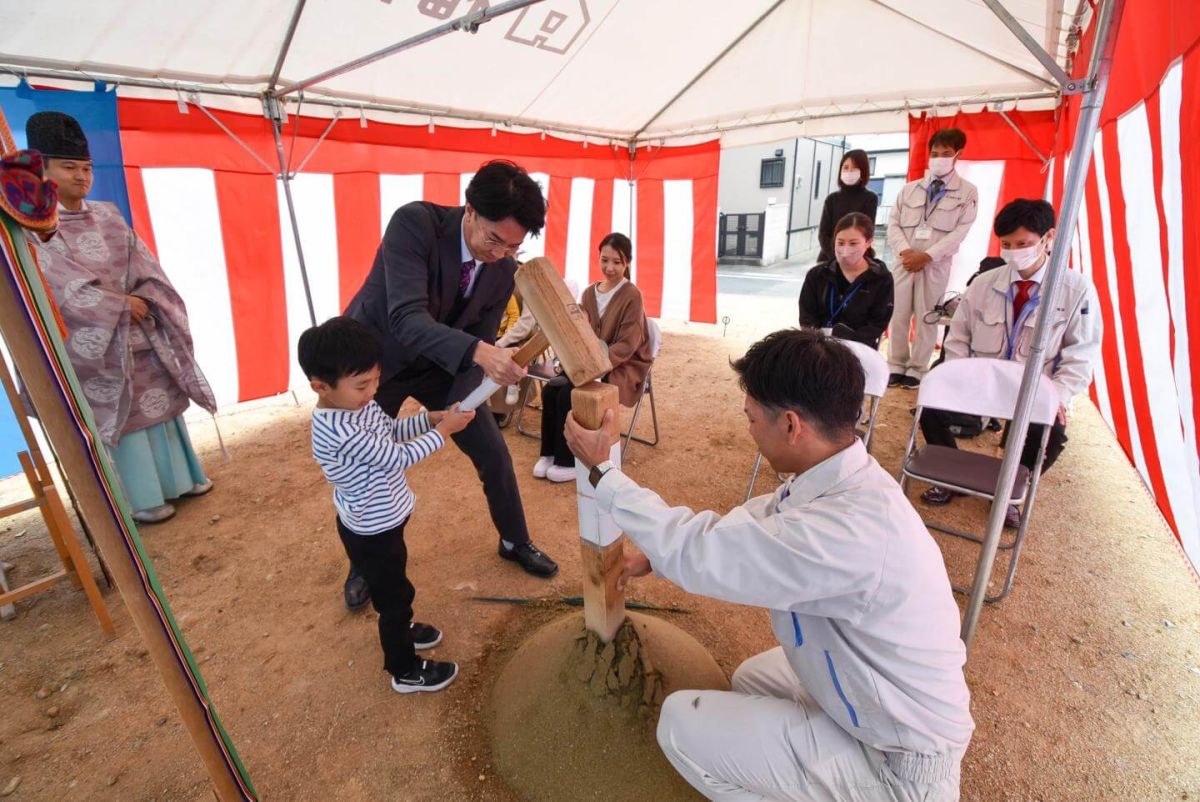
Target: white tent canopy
621, 70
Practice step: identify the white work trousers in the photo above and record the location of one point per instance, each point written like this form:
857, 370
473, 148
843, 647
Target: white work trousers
767, 739
916, 294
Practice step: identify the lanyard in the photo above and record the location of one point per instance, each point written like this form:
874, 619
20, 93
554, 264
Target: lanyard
833, 314
1014, 330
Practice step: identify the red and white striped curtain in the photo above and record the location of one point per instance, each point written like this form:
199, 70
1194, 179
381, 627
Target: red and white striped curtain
218, 220
1138, 239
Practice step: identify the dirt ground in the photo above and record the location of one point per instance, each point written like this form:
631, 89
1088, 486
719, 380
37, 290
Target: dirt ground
1085, 681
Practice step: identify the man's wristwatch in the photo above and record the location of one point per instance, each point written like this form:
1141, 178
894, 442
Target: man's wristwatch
597, 472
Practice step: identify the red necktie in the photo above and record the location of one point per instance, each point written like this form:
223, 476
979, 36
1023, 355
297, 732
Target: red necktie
1024, 289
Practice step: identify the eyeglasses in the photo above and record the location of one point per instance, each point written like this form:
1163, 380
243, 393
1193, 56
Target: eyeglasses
492, 240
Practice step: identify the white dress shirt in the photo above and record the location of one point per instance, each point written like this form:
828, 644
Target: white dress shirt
467, 255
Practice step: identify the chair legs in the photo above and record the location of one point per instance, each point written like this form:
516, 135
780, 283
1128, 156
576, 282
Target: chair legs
629, 435
526, 400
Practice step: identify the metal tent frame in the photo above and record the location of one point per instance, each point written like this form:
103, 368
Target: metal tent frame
1060, 84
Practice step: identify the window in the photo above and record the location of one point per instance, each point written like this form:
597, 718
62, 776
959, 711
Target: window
817, 183
771, 173
871, 165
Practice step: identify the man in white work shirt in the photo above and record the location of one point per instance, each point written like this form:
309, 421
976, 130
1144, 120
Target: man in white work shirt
996, 318
927, 224
865, 696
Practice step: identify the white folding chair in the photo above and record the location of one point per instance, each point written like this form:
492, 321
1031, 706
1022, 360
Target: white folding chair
875, 373
987, 388
654, 333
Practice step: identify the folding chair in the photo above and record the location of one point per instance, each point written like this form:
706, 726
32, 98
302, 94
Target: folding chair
875, 372
544, 372
988, 388
655, 335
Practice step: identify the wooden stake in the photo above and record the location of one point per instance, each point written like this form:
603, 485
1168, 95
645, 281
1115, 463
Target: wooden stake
76, 468
601, 543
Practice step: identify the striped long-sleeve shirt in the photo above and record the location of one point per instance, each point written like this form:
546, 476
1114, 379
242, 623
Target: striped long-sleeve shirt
364, 454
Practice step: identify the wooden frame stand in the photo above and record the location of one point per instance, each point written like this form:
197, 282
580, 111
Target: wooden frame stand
62, 533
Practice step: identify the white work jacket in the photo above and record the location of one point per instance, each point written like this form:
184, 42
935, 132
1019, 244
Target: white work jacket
948, 221
983, 326
857, 590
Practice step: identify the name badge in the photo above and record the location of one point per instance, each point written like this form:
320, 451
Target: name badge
923, 232
827, 331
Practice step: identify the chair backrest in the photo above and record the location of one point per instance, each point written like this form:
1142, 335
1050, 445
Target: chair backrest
985, 387
655, 335
875, 367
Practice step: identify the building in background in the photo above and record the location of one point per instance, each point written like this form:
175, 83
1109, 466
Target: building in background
770, 196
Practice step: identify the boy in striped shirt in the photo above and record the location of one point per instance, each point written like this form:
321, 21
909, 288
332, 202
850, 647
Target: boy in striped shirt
364, 453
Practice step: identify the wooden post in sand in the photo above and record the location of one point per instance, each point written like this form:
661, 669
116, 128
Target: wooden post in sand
584, 359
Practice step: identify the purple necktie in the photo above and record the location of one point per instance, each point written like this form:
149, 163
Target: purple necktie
464, 278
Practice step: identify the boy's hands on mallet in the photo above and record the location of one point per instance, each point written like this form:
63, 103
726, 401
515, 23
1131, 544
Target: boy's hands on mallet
450, 421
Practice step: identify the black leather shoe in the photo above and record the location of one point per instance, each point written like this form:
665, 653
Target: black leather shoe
530, 557
355, 591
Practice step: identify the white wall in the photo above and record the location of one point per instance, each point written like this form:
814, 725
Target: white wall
775, 233
738, 191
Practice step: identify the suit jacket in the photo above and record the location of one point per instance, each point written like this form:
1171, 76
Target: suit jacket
410, 297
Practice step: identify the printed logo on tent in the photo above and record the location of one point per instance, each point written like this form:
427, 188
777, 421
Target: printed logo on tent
550, 26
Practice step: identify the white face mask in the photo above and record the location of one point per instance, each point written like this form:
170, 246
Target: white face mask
849, 255
1021, 259
941, 166
850, 177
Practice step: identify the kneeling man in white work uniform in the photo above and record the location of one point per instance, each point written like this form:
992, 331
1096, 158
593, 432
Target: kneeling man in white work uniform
865, 697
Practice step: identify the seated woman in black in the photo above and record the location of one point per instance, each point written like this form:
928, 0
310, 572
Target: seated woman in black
850, 296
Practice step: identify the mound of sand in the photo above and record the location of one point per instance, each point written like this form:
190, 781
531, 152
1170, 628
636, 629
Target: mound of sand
574, 718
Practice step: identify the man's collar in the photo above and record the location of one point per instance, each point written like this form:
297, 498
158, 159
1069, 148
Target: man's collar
462, 234
951, 181
822, 477
82, 207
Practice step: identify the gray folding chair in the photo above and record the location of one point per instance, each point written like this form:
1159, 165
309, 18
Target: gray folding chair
987, 388
655, 335
875, 373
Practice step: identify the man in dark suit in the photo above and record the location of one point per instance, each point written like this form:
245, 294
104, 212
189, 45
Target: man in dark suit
435, 295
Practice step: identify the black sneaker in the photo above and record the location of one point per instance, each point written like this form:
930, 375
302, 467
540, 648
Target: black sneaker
355, 591
938, 496
894, 379
531, 558
425, 636
910, 382
428, 676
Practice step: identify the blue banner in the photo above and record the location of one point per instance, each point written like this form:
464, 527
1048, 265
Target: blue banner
96, 111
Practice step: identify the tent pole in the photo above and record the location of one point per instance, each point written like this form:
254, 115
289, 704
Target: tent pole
287, 43
1107, 26
468, 22
274, 112
1031, 44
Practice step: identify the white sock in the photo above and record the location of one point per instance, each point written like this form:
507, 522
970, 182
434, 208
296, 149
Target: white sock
506, 544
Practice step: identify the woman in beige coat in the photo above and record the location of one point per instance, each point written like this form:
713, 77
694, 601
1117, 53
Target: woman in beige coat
614, 308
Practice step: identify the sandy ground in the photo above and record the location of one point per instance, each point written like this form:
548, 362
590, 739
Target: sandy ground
1085, 681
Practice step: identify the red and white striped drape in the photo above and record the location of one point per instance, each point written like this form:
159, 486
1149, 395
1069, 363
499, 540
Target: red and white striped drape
218, 221
1138, 239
